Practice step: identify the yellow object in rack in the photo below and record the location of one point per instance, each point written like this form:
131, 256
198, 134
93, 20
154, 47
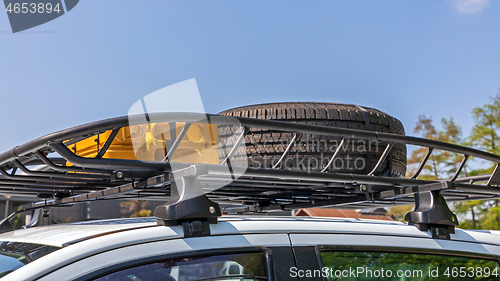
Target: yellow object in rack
150, 142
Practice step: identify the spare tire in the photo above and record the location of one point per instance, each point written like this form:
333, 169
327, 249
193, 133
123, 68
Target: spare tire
313, 152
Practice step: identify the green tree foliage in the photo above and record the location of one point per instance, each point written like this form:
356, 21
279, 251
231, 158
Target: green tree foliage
485, 135
398, 213
472, 209
18, 221
135, 208
485, 132
441, 164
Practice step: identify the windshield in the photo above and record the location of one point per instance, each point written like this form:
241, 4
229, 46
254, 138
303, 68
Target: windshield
14, 255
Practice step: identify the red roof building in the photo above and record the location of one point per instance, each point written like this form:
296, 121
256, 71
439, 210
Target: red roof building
339, 213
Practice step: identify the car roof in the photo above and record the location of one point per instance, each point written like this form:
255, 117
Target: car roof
70, 233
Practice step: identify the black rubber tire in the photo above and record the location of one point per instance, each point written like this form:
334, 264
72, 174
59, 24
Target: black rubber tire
312, 152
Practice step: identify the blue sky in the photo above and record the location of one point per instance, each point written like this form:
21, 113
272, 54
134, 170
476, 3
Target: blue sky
440, 58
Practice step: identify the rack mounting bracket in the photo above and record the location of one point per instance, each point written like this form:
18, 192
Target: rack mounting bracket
188, 205
432, 213
41, 217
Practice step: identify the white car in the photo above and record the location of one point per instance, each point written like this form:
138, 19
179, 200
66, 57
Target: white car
194, 162
263, 248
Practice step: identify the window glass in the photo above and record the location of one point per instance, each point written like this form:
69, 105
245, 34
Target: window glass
250, 266
14, 255
349, 266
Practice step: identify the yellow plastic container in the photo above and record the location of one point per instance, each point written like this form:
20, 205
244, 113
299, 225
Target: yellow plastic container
150, 142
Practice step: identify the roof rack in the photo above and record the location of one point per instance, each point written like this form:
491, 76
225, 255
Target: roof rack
70, 178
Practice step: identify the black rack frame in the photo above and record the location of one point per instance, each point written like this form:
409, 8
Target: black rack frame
258, 190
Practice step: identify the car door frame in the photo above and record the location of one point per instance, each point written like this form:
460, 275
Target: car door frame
307, 255
279, 256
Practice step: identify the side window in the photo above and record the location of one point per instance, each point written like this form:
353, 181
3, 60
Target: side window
361, 265
14, 255
248, 266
